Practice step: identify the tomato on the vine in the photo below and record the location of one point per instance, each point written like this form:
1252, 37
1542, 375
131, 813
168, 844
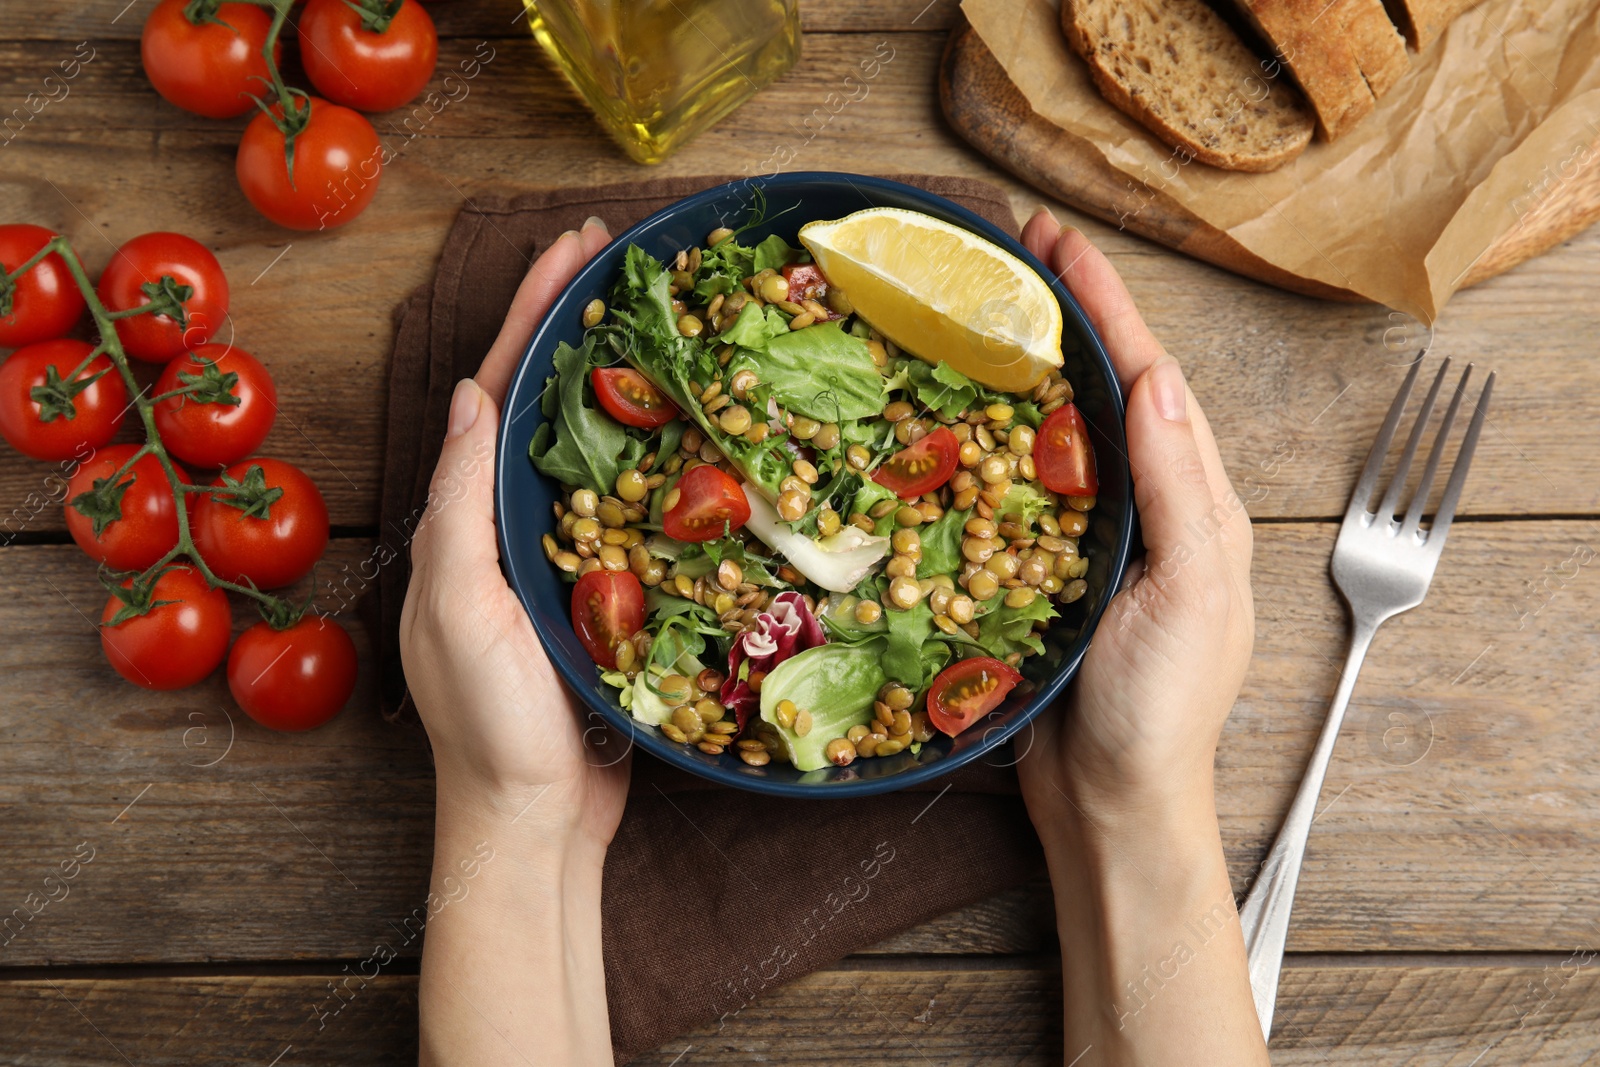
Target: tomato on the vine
922, 467
212, 432
296, 678
47, 413
148, 524
268, 529
1063, 454
709, 502
607, 609
966, 691
212, 66
338, 160
628, 397
163, 265
174, 644
45, 302
373, 59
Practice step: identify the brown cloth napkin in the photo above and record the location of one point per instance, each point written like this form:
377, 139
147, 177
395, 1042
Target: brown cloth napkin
710, 895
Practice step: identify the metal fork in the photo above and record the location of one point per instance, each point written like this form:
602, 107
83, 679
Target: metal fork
1383, 565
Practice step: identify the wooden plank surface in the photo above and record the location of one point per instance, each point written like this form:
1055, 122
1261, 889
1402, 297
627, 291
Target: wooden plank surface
1539, 1011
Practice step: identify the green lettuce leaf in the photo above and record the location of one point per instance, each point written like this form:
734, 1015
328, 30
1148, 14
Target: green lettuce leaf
822, 372
941, 544
773, 254
579, 444
1003, 630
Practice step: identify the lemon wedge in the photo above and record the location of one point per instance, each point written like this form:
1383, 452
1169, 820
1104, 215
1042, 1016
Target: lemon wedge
943, 293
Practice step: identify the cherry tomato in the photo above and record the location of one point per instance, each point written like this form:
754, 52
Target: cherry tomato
366, 68
337, 163
607, 609
211, 68
69, 429
216, 434
966, 691
710, 501
629, 398
805, 282
145, 261
45, 302
293, 679
149, 523
270, 552
922, 467
1063, 455
173, 645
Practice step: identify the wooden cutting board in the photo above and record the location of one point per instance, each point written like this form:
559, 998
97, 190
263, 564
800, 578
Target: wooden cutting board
989, 111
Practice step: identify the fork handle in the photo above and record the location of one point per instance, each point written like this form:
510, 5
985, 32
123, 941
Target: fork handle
1264, 917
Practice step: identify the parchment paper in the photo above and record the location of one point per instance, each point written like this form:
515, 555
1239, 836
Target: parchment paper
1492, 120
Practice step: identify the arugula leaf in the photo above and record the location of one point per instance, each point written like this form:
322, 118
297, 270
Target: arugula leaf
1003, 630
671, 437
824, 373
773, 254
941, 544
579, 444
937, 388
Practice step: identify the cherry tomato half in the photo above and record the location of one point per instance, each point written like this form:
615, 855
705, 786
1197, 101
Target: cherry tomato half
174, 645
922, 467
96, 411
271, 552
607, 608
338, 160
710, 501
629, 398
370, 70
1063, 455
210, 68
293, 679
147, 259
45, 302
216, 434
149, 523
966, 691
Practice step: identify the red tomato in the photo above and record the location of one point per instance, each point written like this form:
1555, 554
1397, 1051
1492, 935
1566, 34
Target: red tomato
607, 609
629, 398
45, 302
710, 502
922, 467
174, 645
143, 262
270, 552
966, 691
210, 68
365, 62
216, 434
293, 679
1063, 455
337, 163
149, 523
805, 282
52, 429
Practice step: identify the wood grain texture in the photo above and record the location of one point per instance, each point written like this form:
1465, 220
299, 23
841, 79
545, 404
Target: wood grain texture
987, 109
1457, 810
1538, 1011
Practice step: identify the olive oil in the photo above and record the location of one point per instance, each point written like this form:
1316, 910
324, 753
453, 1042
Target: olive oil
658, 72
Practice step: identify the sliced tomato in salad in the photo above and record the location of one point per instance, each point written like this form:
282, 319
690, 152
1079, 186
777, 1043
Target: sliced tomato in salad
805, 282
629, 398
966, 691
709, 501
922, 467
607, 609
1063, 455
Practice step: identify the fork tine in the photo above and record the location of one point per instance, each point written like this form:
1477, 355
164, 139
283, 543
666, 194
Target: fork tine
1420, 501
1380, 445
1458, 474
1391, 496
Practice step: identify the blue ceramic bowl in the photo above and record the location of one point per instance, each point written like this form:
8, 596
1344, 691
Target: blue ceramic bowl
523, 497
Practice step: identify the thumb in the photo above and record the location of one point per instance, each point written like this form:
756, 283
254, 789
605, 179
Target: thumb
456, 534
1176, 505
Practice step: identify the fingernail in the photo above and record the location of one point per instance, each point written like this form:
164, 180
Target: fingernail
596, 222
1051, 215
464, 408
1169, 392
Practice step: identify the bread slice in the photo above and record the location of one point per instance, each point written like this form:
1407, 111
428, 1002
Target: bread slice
1344, 53
1181, 71
1422, 21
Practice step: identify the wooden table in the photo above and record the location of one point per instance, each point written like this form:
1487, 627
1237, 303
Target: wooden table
1450, 879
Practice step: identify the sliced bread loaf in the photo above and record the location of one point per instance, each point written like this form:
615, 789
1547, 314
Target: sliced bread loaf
1344, 53
1422, 21
1181, 71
